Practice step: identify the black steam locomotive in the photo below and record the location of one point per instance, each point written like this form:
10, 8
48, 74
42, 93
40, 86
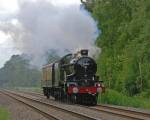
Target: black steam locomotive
73, 78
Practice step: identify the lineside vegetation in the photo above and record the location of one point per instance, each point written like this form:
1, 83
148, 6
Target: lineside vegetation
124, 63
4, 114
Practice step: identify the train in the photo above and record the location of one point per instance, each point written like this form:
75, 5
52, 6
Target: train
73, 78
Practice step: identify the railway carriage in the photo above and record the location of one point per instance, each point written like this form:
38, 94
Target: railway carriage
72, 78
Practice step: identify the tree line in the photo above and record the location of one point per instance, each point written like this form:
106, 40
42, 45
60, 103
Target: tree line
124, 63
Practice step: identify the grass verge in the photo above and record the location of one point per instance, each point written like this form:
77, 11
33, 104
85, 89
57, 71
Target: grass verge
31, 89
4, 114
115, 98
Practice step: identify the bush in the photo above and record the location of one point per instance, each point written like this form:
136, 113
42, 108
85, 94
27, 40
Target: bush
115, 98
144, 94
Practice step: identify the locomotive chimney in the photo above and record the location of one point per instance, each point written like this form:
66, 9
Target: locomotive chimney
84, 52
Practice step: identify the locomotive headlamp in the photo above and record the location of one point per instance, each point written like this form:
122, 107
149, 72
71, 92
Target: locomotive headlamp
97, 84
75, 90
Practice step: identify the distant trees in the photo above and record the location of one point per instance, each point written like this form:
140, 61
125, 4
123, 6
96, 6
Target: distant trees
124, 63
18, 72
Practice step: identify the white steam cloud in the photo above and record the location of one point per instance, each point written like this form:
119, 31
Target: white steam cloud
40, 25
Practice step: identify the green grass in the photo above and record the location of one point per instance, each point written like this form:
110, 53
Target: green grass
4, 114
116, 98
31, 89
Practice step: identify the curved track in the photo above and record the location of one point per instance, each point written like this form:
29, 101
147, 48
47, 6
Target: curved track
50, 111
114, 110
124, 112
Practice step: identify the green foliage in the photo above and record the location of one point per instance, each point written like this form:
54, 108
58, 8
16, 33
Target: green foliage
144, 94
18, 72
4, 115
116, 98
29, 89
124, 63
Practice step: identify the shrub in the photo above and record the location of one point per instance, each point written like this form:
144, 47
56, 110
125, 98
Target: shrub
115, 98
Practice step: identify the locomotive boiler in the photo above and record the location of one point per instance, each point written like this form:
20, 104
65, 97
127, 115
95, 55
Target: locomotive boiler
73, 78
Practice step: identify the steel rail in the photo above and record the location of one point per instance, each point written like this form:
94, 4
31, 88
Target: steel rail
127, 113
45, 114
74, 113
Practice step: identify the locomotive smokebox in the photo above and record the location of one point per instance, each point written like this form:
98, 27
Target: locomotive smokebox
84, 52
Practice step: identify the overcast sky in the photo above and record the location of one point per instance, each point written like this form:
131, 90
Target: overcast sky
8, 8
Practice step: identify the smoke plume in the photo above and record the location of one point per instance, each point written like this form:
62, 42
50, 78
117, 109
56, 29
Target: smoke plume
40, 25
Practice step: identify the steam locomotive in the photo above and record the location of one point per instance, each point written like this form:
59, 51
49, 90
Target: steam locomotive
72, 78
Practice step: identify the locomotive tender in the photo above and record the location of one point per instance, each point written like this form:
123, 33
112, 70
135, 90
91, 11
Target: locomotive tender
73, 78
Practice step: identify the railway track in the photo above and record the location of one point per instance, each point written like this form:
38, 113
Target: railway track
122, 112
45, 114
50, 111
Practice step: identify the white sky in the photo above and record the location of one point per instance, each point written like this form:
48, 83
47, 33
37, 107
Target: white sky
8, 7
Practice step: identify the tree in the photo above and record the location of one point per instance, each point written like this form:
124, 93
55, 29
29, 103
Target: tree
124, 63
